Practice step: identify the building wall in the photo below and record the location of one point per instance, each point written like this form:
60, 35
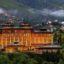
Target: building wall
42, 38
24, 37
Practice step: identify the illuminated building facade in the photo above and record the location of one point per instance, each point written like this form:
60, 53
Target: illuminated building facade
23, 38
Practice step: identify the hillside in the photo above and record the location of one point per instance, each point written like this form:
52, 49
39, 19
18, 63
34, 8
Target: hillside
37, 4
35, 10
11, 4
40, 4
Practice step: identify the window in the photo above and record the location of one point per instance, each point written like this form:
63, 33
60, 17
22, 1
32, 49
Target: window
6, 31
12, 31
2, 49
15, 42
0, 31
43, 29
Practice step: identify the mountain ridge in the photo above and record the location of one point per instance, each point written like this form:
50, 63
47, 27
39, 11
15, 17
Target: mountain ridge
39, 4
11, 4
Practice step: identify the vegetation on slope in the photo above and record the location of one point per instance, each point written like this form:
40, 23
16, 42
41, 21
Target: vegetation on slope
11, 4
29, 58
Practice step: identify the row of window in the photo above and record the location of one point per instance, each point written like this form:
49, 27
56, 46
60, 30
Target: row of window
6, 31
13, 31
26, 40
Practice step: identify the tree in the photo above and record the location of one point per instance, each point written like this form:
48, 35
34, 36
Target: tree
4, 59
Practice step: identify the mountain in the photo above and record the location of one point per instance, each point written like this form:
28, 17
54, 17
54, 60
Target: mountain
40, 4
36, 4
35, 10
11, 4
48, 8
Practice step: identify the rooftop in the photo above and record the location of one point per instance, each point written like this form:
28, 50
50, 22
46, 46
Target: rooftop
39, 28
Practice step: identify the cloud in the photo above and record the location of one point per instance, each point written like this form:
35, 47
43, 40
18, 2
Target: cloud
1, 11
59, 13
56, 13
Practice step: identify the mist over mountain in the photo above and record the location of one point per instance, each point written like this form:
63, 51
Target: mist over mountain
35, 10
54, 8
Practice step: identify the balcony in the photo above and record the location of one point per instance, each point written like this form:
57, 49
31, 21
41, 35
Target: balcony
49, 47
